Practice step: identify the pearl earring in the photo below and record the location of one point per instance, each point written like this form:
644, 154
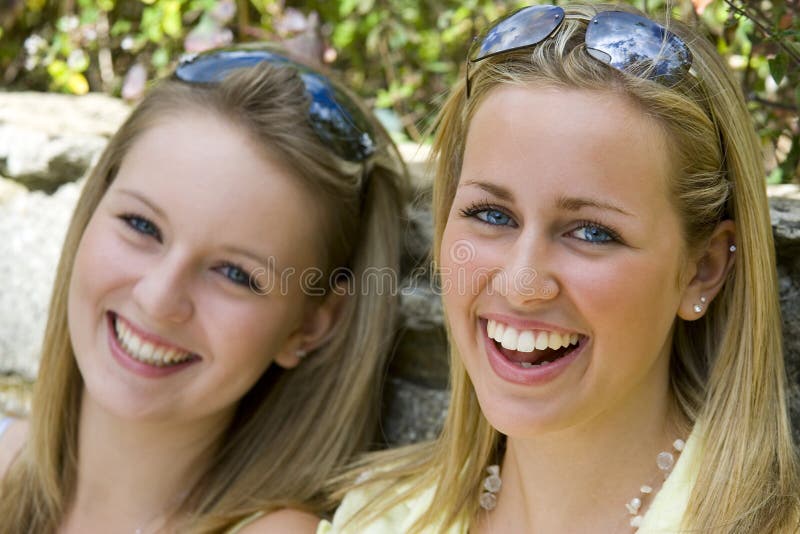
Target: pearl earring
300, 353
732, 248
699, 307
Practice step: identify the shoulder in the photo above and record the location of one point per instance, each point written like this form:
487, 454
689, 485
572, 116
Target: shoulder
289, 521
11, 441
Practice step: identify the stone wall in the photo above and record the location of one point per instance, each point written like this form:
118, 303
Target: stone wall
49, 140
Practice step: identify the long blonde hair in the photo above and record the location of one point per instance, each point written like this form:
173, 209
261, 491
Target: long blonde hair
294, 426
727, 370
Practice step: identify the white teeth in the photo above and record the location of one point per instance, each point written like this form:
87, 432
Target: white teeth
526, 364
542, 341
510, 339
527, 340
145, 351
498, 332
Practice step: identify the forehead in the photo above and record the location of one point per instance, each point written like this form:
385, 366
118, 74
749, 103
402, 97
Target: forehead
214, 184
574, 141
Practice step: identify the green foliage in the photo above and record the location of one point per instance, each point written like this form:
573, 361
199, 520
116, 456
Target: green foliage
402, 55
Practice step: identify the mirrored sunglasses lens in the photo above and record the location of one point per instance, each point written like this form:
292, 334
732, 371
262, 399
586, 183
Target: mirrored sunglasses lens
526, 27
344, 129
215, 66
637, 45
337, 121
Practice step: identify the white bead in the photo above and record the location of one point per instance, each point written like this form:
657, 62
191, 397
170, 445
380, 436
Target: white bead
679, 445
492, 483
665, 461
634, 505
636, 521
493, 470
488, 501
646, 489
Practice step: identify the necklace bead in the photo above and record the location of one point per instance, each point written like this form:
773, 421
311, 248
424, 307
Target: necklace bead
665, 462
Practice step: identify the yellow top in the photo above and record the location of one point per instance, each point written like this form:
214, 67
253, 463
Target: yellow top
244, 522
664, 515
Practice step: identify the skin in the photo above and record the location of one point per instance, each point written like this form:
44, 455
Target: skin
570, 187
191, 214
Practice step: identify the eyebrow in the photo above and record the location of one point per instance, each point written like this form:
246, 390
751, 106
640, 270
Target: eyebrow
496, 190
261, 261
233, 249
578, 203
563, 202
142, 199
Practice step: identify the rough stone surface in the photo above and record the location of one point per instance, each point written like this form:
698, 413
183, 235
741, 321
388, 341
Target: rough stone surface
785, 215
32, 227
47, 140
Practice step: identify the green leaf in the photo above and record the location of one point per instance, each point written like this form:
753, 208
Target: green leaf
797, 96
77, 84
347, 7
120, 27
172, 19
776, 176
344, 34
777, 66
160, 58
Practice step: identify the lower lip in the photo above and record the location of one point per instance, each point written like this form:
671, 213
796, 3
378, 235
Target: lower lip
135, 366
527, 376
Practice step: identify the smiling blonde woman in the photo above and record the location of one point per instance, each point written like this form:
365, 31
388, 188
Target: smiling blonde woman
209, 308
603, 241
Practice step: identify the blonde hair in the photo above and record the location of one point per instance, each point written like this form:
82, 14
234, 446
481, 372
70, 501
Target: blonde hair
727, 376
294, 426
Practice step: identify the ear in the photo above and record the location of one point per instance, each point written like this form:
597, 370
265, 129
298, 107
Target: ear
315, 329
708, 272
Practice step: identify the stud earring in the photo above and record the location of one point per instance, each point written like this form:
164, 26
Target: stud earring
300, 353
732, 248
699, 307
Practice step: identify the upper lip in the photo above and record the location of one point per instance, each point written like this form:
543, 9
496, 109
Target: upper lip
152, 338
527, 324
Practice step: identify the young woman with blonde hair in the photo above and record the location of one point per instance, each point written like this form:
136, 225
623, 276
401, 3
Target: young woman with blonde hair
603, 241
211, 353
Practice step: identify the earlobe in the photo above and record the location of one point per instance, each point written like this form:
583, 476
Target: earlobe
314, 332
711, 271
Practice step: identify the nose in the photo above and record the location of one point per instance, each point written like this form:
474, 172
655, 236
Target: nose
162, 292
528, 274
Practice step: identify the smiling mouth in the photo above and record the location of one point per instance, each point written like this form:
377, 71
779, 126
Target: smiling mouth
532, 348
145, 351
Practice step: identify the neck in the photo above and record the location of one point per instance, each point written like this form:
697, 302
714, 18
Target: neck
583, 475
136, 472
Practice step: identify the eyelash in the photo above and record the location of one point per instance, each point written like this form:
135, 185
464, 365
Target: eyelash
476, 208
134, 222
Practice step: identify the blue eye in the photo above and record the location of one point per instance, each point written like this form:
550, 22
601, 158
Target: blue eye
235, 274
142, 225
495, 217
594, 233
488, 214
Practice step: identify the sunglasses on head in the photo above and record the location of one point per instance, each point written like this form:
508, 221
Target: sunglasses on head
625, 41
335, 118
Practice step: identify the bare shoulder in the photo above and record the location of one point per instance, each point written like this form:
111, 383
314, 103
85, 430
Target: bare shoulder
11, 442
287, 521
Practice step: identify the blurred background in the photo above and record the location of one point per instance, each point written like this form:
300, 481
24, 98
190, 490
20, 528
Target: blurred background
401, 55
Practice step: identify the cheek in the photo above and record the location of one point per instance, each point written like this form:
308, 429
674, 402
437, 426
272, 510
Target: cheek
634, 299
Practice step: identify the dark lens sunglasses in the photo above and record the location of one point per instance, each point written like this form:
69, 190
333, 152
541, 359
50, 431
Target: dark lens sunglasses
625, 41
336, 119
